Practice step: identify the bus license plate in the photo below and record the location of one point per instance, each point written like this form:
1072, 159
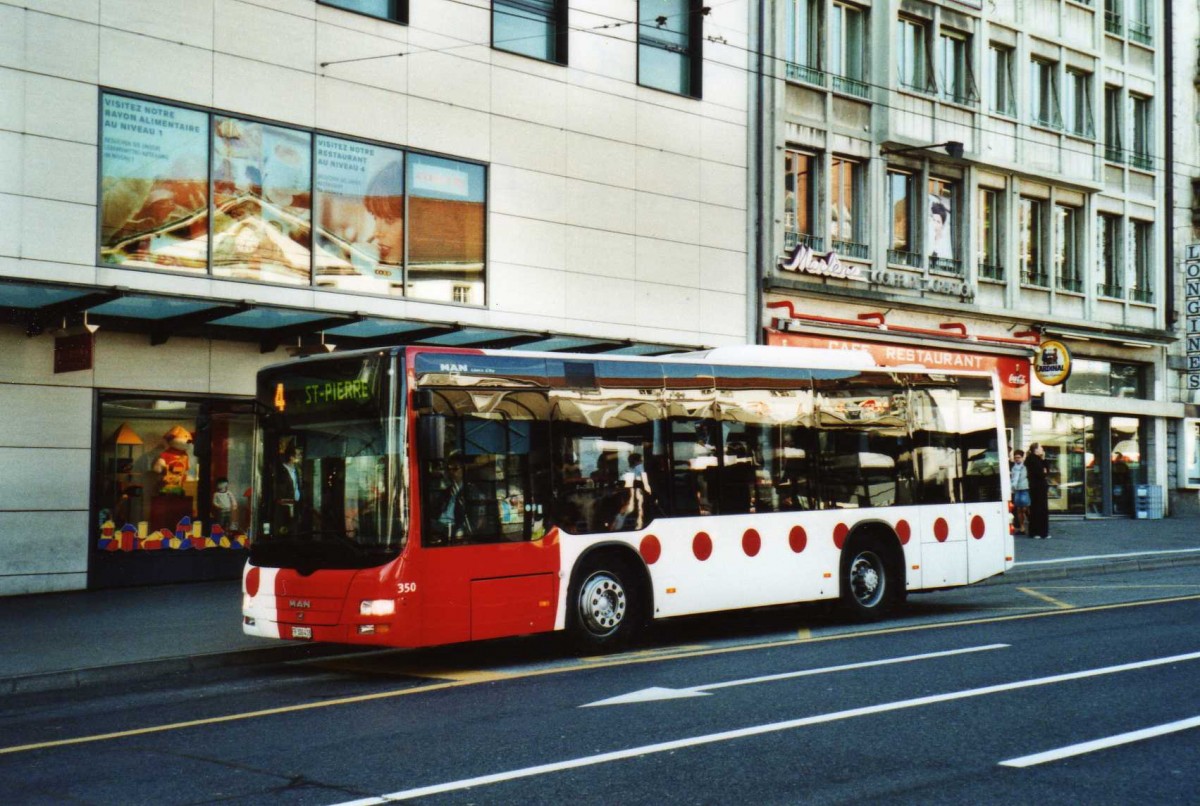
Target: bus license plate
302, 632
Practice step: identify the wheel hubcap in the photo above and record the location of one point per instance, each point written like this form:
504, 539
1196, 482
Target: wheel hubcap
602, 604
866, 579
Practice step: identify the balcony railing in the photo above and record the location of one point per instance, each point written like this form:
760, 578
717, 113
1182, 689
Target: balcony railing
1141, 295
1140, 32
1073, 284
802, 72
945, 265
902, 258
1114, 154
850, 86
991, 271
851, 249
813, 242
1143, 161
1035, 278
1110, 290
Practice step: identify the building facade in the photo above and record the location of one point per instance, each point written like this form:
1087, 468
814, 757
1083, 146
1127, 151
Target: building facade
986, 184
192, 190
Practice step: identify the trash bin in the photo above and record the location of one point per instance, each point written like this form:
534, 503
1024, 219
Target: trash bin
1148, 501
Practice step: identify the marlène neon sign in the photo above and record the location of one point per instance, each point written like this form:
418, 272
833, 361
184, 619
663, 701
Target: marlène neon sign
806, 261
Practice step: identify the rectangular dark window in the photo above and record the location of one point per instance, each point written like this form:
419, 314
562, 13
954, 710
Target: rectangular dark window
900, 204
941, 233
799, 200
912, 49
1142, 289
847, 51
1000, 74
1113, 148
990, 241
1112, 256
1043, 94
395, 10
670, 33
1143, 133
1031, 215
535, 28
802, 42
955, 74
1068, 267
848, 197
1077, 103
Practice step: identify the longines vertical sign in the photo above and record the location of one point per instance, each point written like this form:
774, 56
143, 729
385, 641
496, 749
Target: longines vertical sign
1192, 301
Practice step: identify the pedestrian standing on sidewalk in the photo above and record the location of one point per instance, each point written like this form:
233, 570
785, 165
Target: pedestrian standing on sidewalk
1039, 492
1019, 475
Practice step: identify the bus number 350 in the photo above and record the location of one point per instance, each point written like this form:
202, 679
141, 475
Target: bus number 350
406, 587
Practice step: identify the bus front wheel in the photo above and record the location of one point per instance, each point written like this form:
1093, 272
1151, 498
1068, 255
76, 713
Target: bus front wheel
605, 606
870, 587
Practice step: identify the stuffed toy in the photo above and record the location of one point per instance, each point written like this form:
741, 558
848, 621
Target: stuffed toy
172, 464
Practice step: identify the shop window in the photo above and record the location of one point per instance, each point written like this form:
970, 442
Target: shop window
395, 10
669, 45
286, 206
360, 217
174, 475
153, 185
1190, 443
1091, 376
262, 202
535, 28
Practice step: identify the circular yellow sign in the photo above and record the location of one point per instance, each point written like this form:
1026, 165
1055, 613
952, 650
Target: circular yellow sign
1052, 364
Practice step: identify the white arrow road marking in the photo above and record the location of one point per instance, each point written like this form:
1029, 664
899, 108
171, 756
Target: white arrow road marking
757, 730
1102, 744
657, 693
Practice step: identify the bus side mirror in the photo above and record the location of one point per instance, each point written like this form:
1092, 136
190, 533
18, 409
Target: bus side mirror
423, 401
431, 436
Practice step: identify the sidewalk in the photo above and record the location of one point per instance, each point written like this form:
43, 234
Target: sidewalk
64, 640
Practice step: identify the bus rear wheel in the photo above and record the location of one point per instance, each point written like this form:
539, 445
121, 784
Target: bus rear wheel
606, 611
870, 587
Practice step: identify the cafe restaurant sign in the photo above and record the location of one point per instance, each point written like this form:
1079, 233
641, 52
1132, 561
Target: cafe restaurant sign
1052, 363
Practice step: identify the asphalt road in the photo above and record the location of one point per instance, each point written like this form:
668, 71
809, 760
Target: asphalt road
982, 695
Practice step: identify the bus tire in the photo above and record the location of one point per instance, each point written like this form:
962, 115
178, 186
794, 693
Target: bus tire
605, 605
871, 585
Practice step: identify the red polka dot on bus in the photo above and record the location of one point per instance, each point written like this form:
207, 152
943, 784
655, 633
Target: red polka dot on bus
650, 549
751, 542
941, 530
702, 546
839, 535
798, 539
978, 527
252, 581
903, 531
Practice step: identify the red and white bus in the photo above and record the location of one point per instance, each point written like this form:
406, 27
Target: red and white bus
417, 496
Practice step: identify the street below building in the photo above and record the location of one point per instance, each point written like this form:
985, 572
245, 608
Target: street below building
1069, 690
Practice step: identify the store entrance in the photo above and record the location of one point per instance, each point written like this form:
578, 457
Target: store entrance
1095, 461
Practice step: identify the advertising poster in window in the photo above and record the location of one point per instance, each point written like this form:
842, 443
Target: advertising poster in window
938, 238
360, 216
262, 202
446, 230
153, 186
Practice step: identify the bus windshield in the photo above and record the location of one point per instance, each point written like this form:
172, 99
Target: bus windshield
330, 458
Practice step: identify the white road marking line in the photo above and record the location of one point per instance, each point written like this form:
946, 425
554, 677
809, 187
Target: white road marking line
758, 730
659, 693
1102, 744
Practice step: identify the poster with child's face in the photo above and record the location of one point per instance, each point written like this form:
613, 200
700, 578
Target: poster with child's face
360, 216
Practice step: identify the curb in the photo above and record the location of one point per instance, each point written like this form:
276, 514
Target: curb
40, 682
1066, 568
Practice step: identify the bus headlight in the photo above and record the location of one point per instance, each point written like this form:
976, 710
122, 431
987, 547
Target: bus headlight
377, 607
